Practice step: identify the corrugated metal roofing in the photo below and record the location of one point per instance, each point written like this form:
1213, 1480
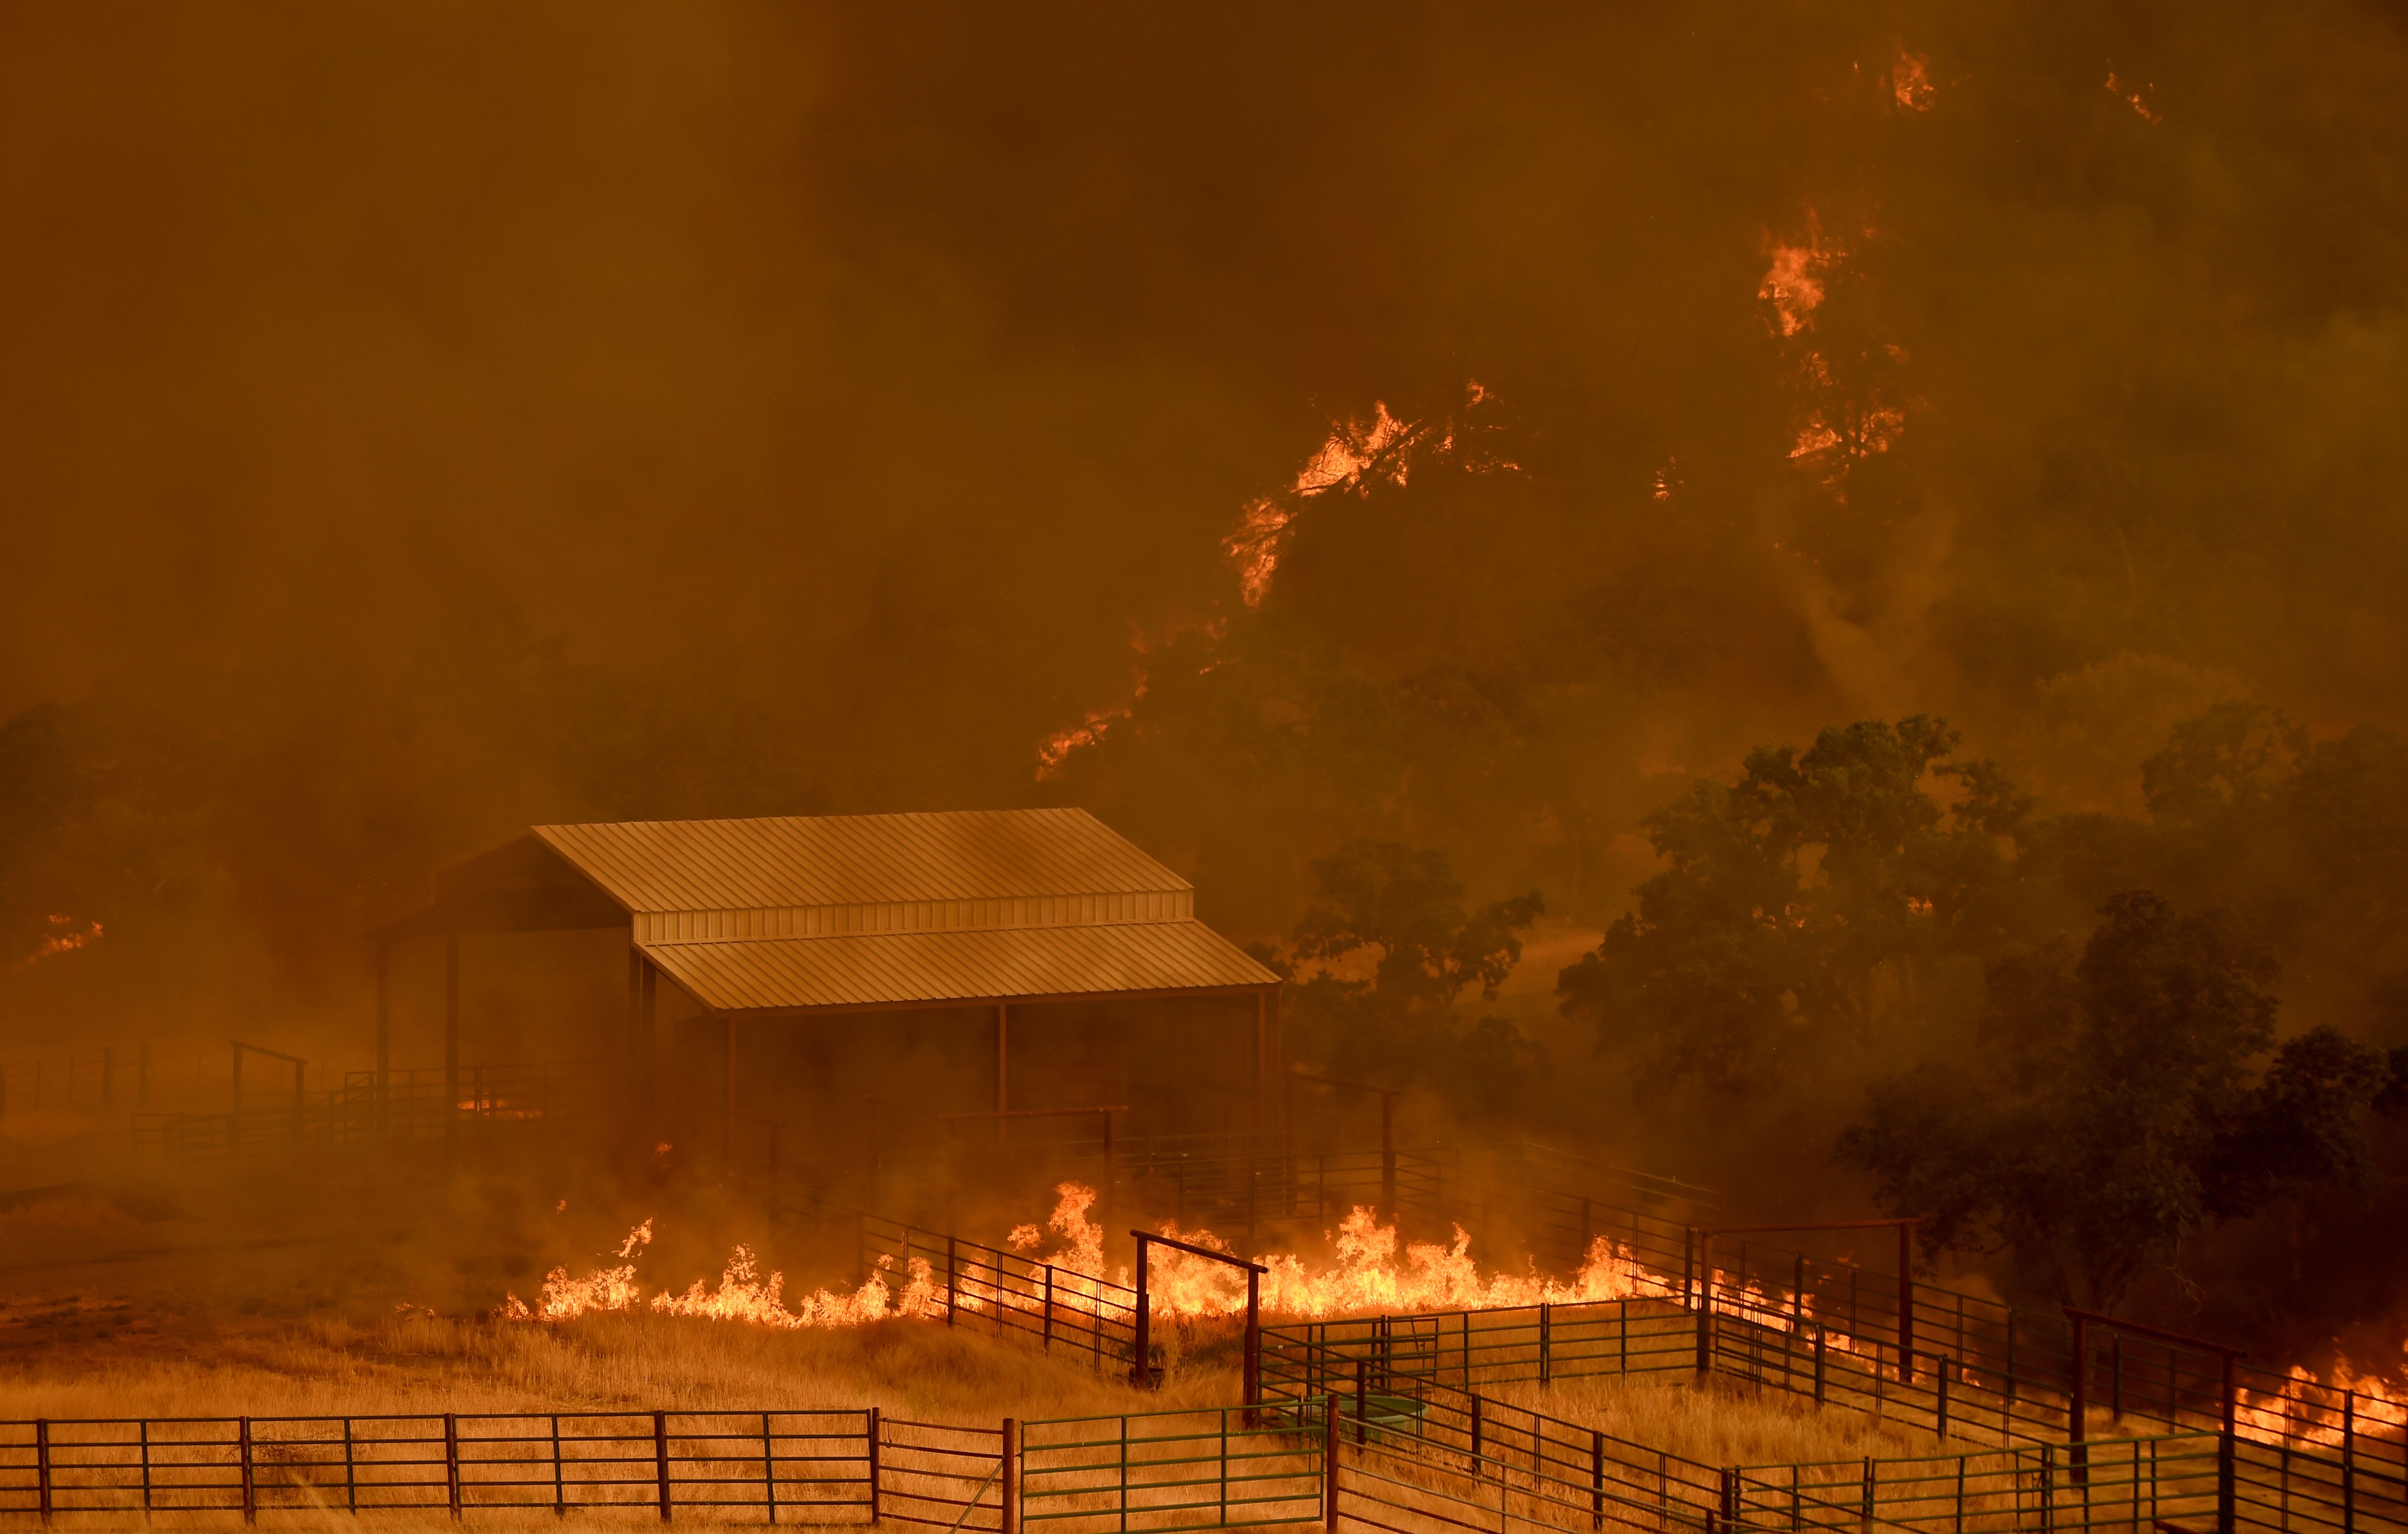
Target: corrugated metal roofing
857, 860
903, 968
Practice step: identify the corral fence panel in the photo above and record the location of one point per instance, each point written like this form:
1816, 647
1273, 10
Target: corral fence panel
780, 1466
1210, 1468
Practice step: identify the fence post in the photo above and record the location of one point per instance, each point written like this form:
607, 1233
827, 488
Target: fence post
1940, 1382
1049, 1307
1224, 1468
1596, 1479
769, 1468
2348, 1487
1328, 1460
1142, 1323
1478, 1465
2047, 1491
42, 1464
1705, 1306
1869, 1494
350, 1471
452, 1461
1010, 1480
873, 1464
559, 1480
1362, 1392
2226, 1457
2011, 1356
951, 1284
1546, 1344
661, 1460
242, 1450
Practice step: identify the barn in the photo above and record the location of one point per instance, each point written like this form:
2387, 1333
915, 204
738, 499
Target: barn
830, 973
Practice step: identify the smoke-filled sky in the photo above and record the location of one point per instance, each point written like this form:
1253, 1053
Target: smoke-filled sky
423, 420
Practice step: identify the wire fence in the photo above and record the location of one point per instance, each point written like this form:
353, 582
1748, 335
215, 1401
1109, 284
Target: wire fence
414, 1104
92, 1080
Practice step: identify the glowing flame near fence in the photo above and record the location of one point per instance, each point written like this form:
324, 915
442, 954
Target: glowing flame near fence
1372, 1271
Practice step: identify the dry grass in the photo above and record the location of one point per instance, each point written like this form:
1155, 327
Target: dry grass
415, 1363
1721, 1422
273, 1291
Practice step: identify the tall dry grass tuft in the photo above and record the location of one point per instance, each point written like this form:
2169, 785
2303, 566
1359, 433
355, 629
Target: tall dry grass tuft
324, 1366
1720, 1423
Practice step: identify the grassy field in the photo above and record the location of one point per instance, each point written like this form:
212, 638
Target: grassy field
357, 1287
1720, 1423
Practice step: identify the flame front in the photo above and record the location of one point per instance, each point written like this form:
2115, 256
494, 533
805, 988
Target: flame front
1374, 1270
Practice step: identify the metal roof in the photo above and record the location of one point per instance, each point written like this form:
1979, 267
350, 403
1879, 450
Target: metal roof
834, 860
864, 910
937, 968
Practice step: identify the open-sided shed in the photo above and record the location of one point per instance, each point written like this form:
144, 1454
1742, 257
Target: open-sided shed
782, 920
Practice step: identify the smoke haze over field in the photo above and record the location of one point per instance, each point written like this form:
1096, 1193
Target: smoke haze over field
424, 421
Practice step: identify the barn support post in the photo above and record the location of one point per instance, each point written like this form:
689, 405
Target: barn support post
1388, 1153
1279, 1061
378, 1115
451, 1033
647, 1011
1002, 1068
1262, 1058
727, 1094
635, 1010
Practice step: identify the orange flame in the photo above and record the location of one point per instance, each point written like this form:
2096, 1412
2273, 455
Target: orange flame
1793, 284
1911, 80
1356, 456
2137, 100
1368, 1273
742, 1294
65, 936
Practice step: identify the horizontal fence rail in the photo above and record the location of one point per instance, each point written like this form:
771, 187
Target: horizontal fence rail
1413, 1379
102, 1078
406, 1104
1171, 1470
802, 1466
970, 1284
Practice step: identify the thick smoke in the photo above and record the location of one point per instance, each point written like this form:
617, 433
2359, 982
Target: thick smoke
422, 422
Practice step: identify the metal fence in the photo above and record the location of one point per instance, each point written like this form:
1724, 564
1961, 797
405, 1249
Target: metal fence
92, 1079
407, 1104
973, 1286
2170, 1482
1470, 1348
1208, 1469
806, 1467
